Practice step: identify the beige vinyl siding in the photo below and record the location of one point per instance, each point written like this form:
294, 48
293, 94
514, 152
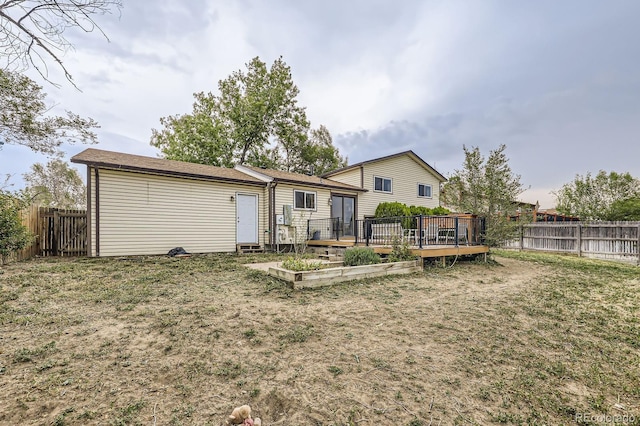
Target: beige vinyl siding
405, 174
284, 196
148, 214
350, 177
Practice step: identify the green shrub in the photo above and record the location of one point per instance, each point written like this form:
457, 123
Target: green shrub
419, 210
439, 211
298, 264
392, 209
400, 251
360, 256
13, 234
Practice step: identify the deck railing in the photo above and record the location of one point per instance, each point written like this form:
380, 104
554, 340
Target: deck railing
324, 229
416, 230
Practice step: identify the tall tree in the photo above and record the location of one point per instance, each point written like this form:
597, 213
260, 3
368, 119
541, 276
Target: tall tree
592, 197
486, 187
255, 119
25, 118
56, 185
32, 32
320, 153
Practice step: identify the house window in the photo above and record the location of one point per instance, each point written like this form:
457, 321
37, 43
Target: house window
382, 184
424, 190
304, 200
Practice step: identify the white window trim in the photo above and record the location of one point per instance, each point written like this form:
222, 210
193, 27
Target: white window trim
383, 179
418, 190
315, 197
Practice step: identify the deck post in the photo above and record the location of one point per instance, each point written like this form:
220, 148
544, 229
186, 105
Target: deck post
455, 229
355, 229
420, 231
367, 233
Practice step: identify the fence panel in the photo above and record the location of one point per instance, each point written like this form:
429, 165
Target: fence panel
56, 232
602, 240
30, 218
63, 232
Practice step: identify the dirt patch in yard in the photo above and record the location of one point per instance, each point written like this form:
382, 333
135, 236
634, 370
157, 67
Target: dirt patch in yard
183, 341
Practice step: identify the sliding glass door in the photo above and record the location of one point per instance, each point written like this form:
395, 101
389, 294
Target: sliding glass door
344, 208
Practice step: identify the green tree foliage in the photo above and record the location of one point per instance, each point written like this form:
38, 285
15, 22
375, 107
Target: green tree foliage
56, 184
627, 209
487, 188
32, 32
25, 118
593, 197
255, 119
13, 234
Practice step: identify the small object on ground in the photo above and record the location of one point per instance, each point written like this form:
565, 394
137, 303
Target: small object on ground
239, 415
178, 252
257, 422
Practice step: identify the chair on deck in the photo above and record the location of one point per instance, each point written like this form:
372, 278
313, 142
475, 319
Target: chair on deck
432, 232
462, 233
385, 233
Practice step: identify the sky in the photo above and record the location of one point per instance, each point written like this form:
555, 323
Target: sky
557, 82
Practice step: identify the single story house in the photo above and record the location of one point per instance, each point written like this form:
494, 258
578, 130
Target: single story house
141, 205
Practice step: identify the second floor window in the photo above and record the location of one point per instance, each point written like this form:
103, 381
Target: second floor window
382, 184
424, 190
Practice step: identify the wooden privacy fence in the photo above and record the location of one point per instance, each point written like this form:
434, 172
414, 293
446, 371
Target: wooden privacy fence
602, 240
56, 232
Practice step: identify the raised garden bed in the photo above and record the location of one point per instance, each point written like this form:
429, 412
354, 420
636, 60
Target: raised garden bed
328, 276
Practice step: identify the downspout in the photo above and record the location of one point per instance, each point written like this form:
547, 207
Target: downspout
97, 212
89, 173
269, 216
272, 212
273, 216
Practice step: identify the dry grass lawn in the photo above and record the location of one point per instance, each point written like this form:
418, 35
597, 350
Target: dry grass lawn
524, 339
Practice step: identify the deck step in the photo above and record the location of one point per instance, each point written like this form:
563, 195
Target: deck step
249, 248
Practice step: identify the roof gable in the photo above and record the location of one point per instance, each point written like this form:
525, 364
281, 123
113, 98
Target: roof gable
415, 157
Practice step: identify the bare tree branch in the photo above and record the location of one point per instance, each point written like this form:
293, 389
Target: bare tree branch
32, 32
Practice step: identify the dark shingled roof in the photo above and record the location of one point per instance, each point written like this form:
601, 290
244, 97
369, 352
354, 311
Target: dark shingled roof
138, 163
410, 153
299, 178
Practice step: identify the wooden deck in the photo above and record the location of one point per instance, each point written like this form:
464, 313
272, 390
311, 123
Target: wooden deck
435, 250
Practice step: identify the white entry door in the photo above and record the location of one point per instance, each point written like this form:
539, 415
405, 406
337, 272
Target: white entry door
247, 219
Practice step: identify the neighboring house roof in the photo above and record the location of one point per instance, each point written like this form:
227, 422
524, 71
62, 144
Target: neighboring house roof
410, 153
138, 163
310, 180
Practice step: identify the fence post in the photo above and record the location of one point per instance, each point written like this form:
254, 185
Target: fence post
521, 237
579, 240
638, 246
420, 231
56, 232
